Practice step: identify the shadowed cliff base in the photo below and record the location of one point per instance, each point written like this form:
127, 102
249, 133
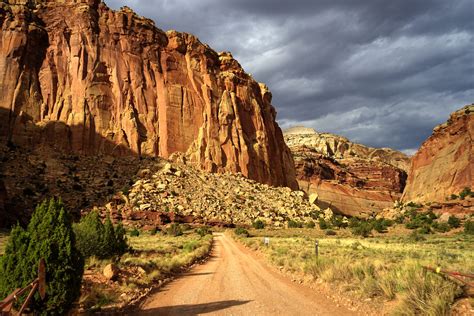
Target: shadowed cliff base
37, 162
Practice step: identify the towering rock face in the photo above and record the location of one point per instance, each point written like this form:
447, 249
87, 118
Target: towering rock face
91, 80
350, 178
444, 164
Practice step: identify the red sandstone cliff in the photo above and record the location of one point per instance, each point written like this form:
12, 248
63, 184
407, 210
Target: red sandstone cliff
99, 81
350, 178
444, 164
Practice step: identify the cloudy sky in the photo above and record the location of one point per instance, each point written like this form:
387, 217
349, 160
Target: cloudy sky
382, 73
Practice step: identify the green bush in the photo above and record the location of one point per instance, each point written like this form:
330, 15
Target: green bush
441, 227
309, 224
121, 243
329, 232
50, 236
380, 225
241, 232
323, 224
469, 227
174, 230
101, 240
414, 205
294, 224
203, 231
454, 196
419, 220
134, 233
363, 229
425, 229
454, 222
258, 224
108, 240
89, 235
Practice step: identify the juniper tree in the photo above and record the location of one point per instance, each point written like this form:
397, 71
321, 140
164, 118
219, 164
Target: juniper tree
49, 235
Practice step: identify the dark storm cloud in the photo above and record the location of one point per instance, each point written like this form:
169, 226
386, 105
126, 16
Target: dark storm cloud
383, 73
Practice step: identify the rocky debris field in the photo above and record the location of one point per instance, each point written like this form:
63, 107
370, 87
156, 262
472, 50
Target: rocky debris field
180, 192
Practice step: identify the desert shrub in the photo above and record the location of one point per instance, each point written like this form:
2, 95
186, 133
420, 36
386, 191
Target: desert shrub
203, 231
354, 222
441, 227
309, 224
425, 229
153, 231
469, 227
174, 230
399, 219
329, 232
363, 229
414, 205
453, 196
454, 222
381, 225
338, 221
294, 224
134, 233
418, 220
50, 236
258, 224
323, 224
121, 243
241, 232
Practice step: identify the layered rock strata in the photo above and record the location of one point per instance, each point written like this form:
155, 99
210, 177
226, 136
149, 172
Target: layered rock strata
444, 165
350, 178
84, 78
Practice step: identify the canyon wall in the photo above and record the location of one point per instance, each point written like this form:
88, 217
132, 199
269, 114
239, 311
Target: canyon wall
350, 178
83, 78
444, 164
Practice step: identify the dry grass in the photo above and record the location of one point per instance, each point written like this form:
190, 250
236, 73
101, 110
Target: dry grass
153, 258
383, 268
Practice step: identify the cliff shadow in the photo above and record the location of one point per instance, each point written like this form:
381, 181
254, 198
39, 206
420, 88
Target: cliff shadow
39, 161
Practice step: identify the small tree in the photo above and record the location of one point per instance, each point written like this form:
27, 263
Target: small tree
49, 236
454, 222
89, 235
121, 243
109, 240
258, 224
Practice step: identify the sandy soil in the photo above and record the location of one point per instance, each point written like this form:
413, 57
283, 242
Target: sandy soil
235, 282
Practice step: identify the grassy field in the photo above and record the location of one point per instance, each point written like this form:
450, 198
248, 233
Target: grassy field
153, 259
386, 268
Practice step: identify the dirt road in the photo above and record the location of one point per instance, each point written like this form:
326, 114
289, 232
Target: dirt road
235, 282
